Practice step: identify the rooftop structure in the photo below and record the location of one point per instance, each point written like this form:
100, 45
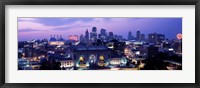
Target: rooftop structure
56, 41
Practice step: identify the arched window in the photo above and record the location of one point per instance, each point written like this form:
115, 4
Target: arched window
92, 58
101, 58
81, 58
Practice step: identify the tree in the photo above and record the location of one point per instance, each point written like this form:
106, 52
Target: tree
154, 64
57, 66
44, 65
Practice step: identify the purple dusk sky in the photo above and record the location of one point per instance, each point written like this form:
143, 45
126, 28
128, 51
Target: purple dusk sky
40, 28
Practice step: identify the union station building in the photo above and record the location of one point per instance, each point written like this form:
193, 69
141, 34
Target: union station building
85, 56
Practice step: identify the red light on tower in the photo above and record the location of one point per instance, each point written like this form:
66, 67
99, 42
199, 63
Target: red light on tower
179, 36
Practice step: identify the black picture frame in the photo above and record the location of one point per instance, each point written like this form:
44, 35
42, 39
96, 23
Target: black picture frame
99, 2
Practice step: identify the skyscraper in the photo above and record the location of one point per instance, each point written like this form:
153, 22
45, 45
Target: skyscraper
142, 37
119, 37
156, 38
130, 36
138, 35
103, 34
160, 38
82, 38
86, 36
152, 37
111, 36
93, 34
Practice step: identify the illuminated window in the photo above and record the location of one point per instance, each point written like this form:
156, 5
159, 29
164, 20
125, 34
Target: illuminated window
92, 58
101, 57
81, 58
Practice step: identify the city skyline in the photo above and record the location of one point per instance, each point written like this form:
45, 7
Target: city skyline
40, 28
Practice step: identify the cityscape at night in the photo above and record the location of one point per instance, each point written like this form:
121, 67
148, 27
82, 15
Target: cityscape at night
99, 43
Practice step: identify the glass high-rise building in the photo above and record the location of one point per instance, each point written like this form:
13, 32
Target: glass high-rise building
130, 36
93, 34
138, 35
103, 34
86, 36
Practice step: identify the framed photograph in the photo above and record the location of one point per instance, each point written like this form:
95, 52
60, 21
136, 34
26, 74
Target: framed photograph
87, 43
